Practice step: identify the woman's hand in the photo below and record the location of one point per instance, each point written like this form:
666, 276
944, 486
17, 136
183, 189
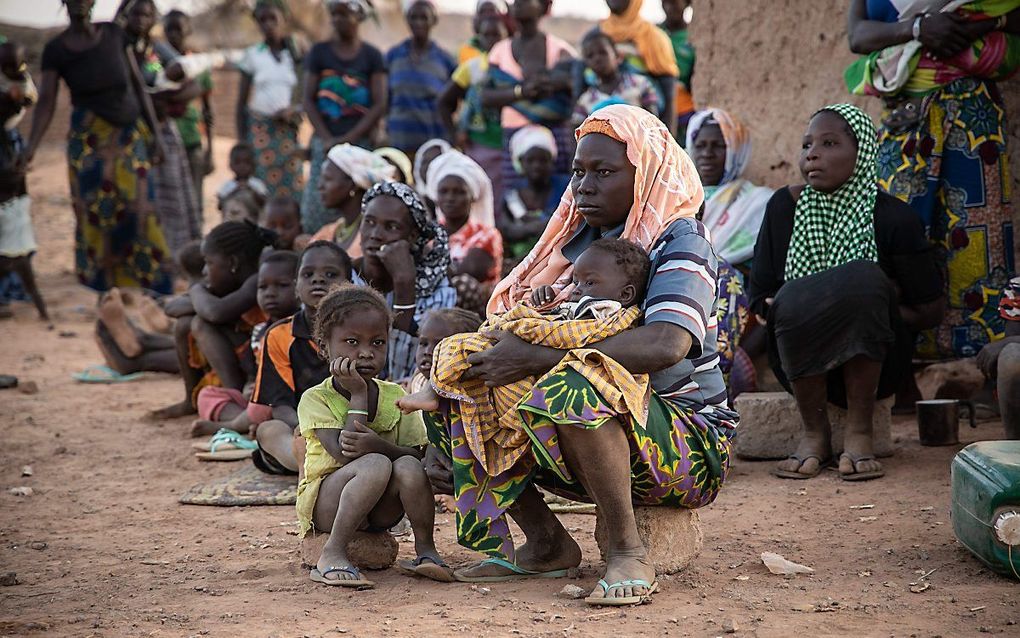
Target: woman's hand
768, 304
439, 469
510, 359
358, 440
345, 372
396, 258
944, 34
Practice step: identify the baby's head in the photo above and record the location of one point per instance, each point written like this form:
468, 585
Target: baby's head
277, 275
614, 269
12, 61
282, 215
438, 325
242, 161
354, 322
241, 206
323, 267
190, 261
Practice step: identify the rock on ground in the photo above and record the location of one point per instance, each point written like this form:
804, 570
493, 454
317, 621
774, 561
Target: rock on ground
672, 536
367, 550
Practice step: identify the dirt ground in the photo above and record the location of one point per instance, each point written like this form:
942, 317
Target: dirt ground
103, 548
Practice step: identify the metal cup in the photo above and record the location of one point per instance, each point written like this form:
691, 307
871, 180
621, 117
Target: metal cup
938, 421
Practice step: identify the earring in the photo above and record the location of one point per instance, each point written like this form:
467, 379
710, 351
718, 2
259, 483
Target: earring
352, 193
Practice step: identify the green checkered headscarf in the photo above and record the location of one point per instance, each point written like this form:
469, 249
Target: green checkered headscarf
831, 229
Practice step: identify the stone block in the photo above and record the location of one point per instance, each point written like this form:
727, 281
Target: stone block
672, 536
367, 550
770, 426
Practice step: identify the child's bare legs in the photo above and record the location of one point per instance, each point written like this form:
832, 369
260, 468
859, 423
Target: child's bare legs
231, 416
410, 492
1008, 371
426, 399
346, 498
23, 266
217, 344
191, 375
277, 439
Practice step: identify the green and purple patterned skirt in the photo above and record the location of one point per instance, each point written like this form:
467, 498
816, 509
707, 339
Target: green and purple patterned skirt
679, 458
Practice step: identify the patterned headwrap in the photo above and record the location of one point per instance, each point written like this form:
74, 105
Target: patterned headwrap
527, 138
832, 229
421, 181
738, 140
363, 8
478, 183
363, 167
666, 188
430, 249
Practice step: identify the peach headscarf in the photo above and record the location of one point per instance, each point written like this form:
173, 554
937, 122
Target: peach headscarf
652, 43
666, 188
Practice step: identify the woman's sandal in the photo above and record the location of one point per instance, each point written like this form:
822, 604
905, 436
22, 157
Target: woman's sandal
358, 582
519, 573
860, 476
228, 445
800, 476
418, 567
606, 601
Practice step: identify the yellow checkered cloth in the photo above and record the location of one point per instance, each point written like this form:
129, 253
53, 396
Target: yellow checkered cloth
492, 424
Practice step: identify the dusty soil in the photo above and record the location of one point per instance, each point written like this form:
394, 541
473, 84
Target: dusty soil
103, 548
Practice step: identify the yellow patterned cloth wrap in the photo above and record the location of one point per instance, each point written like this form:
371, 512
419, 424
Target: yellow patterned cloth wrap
492, 424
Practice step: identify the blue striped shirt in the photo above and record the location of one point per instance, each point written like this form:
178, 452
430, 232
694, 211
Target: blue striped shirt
415, 85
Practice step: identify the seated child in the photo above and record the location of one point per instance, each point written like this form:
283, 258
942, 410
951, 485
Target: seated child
362, 468
242, 205
216, 317
609, 279
17, 241
438, 325
282, 215
290, 363
242, 165
609, 83
229, 408
1000, 361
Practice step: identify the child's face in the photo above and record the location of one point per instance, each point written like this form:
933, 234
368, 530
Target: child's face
276, 290
141, 18
242, 165
385, 221
361, 336
319, 272
537, 165
454, 199
345, 21
270, 22
600, 56
420, 20
219, 272
284, 220
597, 275
235, 210
528, 9
430, 334
674, 10
490, 31
177, 30
617, 7
335, 186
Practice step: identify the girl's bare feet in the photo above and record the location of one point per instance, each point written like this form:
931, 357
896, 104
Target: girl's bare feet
425, 399
175, 411
149, 312
113, 316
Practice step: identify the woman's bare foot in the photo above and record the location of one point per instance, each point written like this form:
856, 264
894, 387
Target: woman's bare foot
175, 411
113, 316
626, 567
425, 399
560, 553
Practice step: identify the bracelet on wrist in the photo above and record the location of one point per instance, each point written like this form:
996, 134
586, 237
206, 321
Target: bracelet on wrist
915, 29
407, 306
1000, 24
518, 91
359, 412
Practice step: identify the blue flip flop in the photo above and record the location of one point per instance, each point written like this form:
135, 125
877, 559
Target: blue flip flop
519, 573
604, 601
103, 374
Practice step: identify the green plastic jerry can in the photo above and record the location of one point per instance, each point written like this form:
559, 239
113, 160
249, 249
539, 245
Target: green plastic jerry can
986, 503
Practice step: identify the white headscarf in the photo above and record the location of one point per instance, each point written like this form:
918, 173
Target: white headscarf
420, 181
479, 185
365, 168
527, 138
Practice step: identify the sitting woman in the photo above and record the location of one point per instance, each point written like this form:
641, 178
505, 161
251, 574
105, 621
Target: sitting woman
406, 257
631, 180
463, 195
720, 146
347, 173
842, 273
528, 207
216, 318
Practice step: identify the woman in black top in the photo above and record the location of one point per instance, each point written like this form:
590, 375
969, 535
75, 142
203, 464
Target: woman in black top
841, 274
118, 239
